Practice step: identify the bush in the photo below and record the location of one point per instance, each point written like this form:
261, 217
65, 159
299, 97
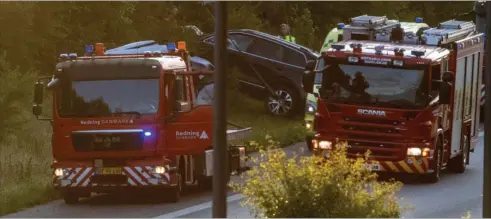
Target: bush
309, 187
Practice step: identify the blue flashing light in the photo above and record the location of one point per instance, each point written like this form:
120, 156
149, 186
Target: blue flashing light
89, 48
171, 46
340, 25
418, 20
147, 134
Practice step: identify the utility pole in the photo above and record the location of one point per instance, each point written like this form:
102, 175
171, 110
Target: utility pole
220, 178
486, 202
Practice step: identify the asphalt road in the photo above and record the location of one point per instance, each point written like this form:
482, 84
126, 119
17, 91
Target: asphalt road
452, 197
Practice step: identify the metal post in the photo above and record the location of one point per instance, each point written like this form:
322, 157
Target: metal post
486, 201
220, 179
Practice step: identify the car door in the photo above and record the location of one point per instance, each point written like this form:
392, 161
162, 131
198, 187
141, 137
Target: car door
294, 66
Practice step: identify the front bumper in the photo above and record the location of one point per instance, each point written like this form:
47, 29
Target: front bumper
89, 177
412, 165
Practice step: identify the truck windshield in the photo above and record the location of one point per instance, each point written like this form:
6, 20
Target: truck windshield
378, 86
108, 97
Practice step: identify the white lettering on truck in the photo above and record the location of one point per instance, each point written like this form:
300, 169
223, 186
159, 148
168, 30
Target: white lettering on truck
371, 112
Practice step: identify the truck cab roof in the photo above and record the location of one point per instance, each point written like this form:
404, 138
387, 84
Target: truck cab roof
432, 53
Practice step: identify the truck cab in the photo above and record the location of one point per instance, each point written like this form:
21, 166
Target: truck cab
411, 103
134, 121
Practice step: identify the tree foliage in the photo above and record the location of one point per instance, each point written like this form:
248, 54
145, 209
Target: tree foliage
311, 187
34, 33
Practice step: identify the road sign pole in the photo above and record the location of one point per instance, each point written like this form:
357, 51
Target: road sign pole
486, 203
220, 179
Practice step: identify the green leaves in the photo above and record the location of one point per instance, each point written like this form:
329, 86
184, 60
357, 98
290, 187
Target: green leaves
311, 187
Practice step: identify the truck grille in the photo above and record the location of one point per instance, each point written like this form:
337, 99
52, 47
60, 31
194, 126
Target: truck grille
379, 136
85, 142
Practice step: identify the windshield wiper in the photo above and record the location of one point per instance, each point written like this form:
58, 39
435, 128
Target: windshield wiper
127, 112
401, 103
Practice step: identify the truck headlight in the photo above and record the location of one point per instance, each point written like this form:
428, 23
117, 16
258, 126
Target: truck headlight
424, 152
308, 125
159, 170
325, 145
310, 107
59, 172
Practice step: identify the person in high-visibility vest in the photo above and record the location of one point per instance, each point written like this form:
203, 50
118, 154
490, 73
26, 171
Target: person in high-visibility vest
285, 33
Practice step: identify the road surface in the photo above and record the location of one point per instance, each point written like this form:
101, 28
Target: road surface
452, 197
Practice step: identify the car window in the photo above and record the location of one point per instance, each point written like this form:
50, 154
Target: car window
267, 49
211, 40
242, 41
293, 57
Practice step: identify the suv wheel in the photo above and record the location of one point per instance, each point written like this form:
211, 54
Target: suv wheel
282, 102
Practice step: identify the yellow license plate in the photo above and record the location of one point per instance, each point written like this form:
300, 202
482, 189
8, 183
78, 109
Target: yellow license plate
110, 171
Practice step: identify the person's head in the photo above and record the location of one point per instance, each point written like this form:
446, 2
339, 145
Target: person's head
285, 29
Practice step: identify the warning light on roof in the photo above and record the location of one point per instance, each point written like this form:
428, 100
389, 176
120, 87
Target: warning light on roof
89, 49
340, 25
379, 49
171, 46
338, 47
418, 20
418, 53
181, 46
99, 49
147, 54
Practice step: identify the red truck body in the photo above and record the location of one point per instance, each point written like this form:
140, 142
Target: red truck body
131, 122
403, 115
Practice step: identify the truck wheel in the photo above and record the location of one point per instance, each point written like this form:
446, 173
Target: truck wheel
70, 197
308, 140
437, 163
205, 183
458, 164
175, 192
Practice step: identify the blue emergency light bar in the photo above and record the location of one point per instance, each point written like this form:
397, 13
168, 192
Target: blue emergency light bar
340, 25
418, 20
89, 48
171, 46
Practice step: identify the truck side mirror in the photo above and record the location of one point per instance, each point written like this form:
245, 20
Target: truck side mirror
310, 65
446, 87
308, 81
37, 110
38, 93
444, 92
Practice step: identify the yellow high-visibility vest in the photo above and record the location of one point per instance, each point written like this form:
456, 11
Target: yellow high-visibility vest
289, 38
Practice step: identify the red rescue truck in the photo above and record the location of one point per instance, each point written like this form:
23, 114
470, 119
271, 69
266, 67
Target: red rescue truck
411, 99
124, 122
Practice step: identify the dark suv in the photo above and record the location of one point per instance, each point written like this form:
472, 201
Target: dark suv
269, 66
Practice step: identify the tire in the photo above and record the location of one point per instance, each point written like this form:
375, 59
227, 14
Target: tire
284, 102
435, 176
175, 192
70, 197
308, 140
205, 183
458, 164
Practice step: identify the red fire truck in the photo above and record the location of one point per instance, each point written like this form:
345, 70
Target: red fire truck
131, 122
411, 99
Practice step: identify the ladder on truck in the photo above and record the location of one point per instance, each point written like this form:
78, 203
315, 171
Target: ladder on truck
379, 28
448, 32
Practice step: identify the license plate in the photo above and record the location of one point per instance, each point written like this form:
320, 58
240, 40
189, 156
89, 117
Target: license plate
373, 167
110, 171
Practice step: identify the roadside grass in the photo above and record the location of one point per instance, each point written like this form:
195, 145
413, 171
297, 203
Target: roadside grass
25, 159
249, 112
